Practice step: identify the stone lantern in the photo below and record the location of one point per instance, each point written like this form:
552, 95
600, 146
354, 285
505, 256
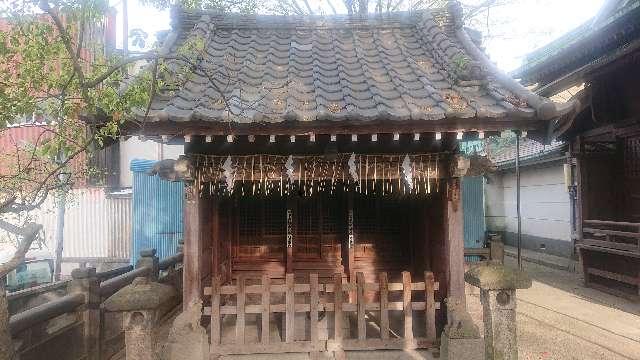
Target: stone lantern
143, 303
498, 286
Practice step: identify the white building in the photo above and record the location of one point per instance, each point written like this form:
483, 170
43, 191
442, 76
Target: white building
545, 201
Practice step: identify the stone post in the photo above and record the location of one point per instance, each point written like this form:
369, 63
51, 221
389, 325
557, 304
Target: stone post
496, 247
143, 303
148, 258
498, 286
181, 245
85, 281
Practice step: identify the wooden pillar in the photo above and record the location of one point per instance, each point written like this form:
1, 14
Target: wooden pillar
215, 239
427, 232
191, 290
579, 204
86, 282
454, 240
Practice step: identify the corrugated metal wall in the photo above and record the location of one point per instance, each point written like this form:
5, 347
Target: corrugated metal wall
18, 137
157, 211
473, 205
96, 224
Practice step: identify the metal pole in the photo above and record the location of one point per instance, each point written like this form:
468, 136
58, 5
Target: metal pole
518, 199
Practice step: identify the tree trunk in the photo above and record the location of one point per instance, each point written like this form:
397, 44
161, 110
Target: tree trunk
62, 203
6, 344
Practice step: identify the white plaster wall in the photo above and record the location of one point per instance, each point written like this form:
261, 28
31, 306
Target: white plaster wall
494, 202
133, 148
545, 202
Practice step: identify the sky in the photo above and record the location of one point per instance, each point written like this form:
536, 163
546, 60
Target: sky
515, 29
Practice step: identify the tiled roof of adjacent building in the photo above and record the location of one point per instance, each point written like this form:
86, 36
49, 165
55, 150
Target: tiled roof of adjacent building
615, 29
419, 66
529, 150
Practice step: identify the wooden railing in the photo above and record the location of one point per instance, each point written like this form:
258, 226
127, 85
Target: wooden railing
372, 306
22, 300
610, 257
495, 251
44, 312
624, 236
109, 287
73, 326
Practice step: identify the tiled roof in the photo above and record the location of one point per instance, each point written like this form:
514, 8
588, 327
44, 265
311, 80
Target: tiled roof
614, 27
529, 150
405, 66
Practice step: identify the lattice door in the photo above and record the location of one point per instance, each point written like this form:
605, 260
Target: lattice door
261, 227
318, 229
379, 228
306, 244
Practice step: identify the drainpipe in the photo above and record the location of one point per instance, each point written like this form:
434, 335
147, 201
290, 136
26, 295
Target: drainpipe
518, 199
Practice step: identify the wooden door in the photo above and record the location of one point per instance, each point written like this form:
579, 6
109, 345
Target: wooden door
381, 237
319, 228
260, 234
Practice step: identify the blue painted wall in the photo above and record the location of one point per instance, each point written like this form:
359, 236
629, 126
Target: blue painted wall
473, 206
157, 212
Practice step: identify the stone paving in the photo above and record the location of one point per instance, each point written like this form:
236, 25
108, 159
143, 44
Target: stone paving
558, 318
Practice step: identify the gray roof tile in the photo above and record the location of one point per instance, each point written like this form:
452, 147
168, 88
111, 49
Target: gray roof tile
396, 67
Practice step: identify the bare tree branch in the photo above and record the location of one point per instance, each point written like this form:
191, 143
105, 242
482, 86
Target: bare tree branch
66, 39
28, 233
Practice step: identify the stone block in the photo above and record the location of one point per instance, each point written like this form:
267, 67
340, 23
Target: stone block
492, 275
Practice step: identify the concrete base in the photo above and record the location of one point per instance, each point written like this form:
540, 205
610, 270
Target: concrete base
187, 339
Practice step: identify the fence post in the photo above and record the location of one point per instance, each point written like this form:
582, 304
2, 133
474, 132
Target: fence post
429, 305
406, 305
496, 249
148, 258
86, 282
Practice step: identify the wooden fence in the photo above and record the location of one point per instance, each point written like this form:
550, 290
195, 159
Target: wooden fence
371, 307
610, 257
623, 236
74, 326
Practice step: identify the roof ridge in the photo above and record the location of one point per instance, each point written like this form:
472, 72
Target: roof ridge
220, 19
